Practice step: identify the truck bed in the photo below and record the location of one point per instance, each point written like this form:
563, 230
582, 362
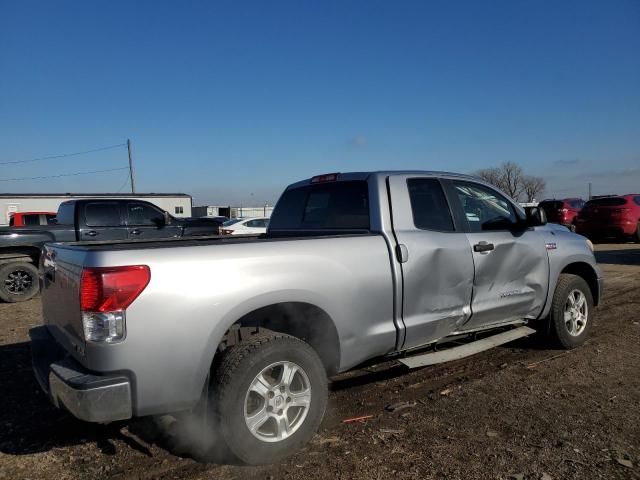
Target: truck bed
132, 244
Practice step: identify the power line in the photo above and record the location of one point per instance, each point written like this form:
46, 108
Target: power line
63, 155
126, 180
62, 175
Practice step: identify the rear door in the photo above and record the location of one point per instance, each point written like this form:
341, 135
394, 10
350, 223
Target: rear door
511, 262
436, 262
101, 220
147, 221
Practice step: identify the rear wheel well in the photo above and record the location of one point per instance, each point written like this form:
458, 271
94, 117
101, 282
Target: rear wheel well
20, 254
585, 271
301, 320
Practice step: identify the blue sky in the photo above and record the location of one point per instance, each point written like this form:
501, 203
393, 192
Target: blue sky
231, 101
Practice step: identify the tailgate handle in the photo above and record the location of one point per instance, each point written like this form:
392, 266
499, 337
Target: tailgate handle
483, 247
91, 233
135, 231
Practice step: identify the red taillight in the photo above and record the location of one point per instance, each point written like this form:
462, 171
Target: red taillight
109, 289
327, 177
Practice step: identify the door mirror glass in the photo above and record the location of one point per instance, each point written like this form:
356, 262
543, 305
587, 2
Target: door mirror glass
536, 216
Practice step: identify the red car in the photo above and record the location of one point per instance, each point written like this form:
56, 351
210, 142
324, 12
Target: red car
562, 211
611, 217
21, 219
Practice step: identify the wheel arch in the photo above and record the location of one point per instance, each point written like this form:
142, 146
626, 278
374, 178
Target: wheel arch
588, 274
19, 254
299, 316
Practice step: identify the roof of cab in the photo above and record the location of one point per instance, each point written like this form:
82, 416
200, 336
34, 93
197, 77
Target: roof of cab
347, 176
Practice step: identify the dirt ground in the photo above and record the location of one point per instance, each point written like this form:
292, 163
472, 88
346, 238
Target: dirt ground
517, 411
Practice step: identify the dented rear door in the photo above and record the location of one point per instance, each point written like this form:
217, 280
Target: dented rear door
434, 255
511, 263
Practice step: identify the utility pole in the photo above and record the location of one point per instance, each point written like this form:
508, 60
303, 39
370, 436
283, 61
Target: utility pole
589, 191
133, 188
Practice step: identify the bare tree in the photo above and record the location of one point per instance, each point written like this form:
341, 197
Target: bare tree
510, 178
532, 187
491, 175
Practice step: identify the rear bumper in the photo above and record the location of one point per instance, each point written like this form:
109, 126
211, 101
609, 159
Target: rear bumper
86, 395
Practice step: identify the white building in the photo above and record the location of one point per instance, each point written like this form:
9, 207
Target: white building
177, 204
232, 212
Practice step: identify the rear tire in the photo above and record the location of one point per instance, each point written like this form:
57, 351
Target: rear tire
268, 397
571, 313
18, 282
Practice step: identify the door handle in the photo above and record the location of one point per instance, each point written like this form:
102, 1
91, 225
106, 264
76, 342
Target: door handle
483, 247
402, 253
135, 231
91, 233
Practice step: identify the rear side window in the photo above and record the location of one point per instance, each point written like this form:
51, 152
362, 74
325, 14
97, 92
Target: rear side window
551, 205
325, 206
102, 214
429, 205
31, 219
65, 214
607, 202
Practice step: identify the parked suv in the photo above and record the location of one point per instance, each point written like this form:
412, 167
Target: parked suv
562, 211
617, 217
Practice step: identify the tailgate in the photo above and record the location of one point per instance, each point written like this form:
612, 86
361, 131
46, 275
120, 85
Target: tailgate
61, 270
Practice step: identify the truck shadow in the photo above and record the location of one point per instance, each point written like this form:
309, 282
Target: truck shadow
31, 424
629, 256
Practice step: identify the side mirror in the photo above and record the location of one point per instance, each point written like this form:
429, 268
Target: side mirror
536, 216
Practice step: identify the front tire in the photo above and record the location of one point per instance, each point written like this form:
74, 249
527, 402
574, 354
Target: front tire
571, 313
18, 282
268, 397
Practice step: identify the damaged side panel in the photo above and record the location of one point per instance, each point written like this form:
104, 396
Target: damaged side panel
511, 280
437, 273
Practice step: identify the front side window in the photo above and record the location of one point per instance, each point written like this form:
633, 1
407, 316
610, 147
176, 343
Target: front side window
141, 214
102, 214
484, 208
429, 205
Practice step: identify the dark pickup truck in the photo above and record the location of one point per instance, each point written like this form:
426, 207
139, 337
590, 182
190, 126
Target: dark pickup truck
86, 220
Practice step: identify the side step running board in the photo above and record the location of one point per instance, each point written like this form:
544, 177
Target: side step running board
466, 350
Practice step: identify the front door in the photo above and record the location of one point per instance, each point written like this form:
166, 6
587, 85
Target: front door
147, 221
511, 261
436, 263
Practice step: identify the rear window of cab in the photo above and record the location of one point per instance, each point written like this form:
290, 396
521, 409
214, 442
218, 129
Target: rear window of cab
323, 206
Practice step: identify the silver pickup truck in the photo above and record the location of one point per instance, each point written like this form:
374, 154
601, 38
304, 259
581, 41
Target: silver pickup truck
354, 266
